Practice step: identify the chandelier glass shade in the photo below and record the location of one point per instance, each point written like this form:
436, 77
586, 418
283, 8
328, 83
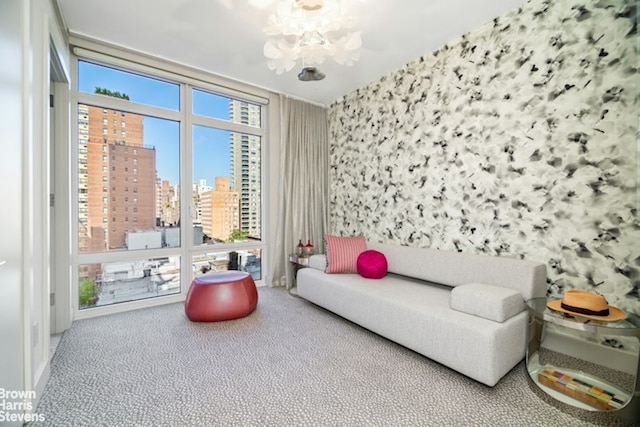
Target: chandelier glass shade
310, 31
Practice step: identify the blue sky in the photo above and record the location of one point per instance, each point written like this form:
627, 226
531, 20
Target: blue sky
210, 146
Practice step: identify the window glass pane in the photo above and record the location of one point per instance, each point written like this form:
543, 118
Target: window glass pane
225, 108
249, 260
128, 199
227, 186
94, 78
129, 189
115, 282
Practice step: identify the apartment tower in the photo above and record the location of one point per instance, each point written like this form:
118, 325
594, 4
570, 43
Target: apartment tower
220, 210
245, 166
117, 178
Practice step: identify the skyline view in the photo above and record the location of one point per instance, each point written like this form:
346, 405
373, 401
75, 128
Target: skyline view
210, 146
111, 175
130, 192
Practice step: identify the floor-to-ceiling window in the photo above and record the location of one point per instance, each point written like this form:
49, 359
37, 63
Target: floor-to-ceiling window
169, 182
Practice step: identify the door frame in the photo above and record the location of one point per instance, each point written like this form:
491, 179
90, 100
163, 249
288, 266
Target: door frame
60, 243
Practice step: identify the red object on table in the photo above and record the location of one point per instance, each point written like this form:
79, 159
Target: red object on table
223, 295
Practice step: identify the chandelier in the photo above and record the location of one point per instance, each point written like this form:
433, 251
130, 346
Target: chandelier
310, 31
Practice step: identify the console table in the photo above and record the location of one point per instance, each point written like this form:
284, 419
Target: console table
570, 384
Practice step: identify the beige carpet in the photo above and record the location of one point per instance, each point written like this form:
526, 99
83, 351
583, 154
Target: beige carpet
289, 363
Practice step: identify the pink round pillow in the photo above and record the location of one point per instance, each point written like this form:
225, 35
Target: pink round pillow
372, 264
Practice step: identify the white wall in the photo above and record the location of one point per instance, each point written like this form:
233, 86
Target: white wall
12, 13
26, 31
144, 240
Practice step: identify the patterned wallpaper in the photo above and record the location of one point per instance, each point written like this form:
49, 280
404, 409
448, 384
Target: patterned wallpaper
519, 139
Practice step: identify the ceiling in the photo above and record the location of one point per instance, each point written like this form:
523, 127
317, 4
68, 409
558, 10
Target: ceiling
226, 37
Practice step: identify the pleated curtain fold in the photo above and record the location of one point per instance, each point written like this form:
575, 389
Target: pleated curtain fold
304, 180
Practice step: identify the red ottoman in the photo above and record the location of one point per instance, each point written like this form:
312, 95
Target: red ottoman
223, 295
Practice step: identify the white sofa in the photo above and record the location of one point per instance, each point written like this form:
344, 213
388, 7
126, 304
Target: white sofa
464, 311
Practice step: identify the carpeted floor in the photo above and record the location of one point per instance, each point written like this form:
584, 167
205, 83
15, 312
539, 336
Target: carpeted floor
289, 363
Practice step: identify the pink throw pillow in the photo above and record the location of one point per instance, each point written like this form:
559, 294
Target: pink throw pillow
372, 264
342, 253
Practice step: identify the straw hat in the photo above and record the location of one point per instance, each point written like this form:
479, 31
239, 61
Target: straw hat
586, 304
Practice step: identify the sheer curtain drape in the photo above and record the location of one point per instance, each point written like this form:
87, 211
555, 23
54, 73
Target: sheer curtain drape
304, 180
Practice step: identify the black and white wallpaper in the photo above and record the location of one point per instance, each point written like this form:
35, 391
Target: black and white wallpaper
519, 139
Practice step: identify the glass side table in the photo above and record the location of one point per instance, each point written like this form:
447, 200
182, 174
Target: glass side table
298, 262
583, 385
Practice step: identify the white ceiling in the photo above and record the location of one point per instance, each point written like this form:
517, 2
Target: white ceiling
226, 37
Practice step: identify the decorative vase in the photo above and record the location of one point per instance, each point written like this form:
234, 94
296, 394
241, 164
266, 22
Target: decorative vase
308, 248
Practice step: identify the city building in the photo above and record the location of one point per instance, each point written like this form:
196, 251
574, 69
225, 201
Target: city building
117, 178
198, 189
220, 213
169, 204
245, 166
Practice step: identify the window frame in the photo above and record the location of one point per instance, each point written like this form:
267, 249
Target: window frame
186, 119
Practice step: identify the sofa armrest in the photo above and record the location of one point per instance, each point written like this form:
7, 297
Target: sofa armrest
487, 301
318, 261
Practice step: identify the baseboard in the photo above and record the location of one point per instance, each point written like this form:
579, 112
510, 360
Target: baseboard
40, 384
622, 359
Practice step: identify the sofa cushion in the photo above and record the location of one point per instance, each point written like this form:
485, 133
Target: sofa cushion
318, 261
486, 301
372, 264
343, 252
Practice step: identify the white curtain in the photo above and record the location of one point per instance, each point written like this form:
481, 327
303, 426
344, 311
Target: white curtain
304, 180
